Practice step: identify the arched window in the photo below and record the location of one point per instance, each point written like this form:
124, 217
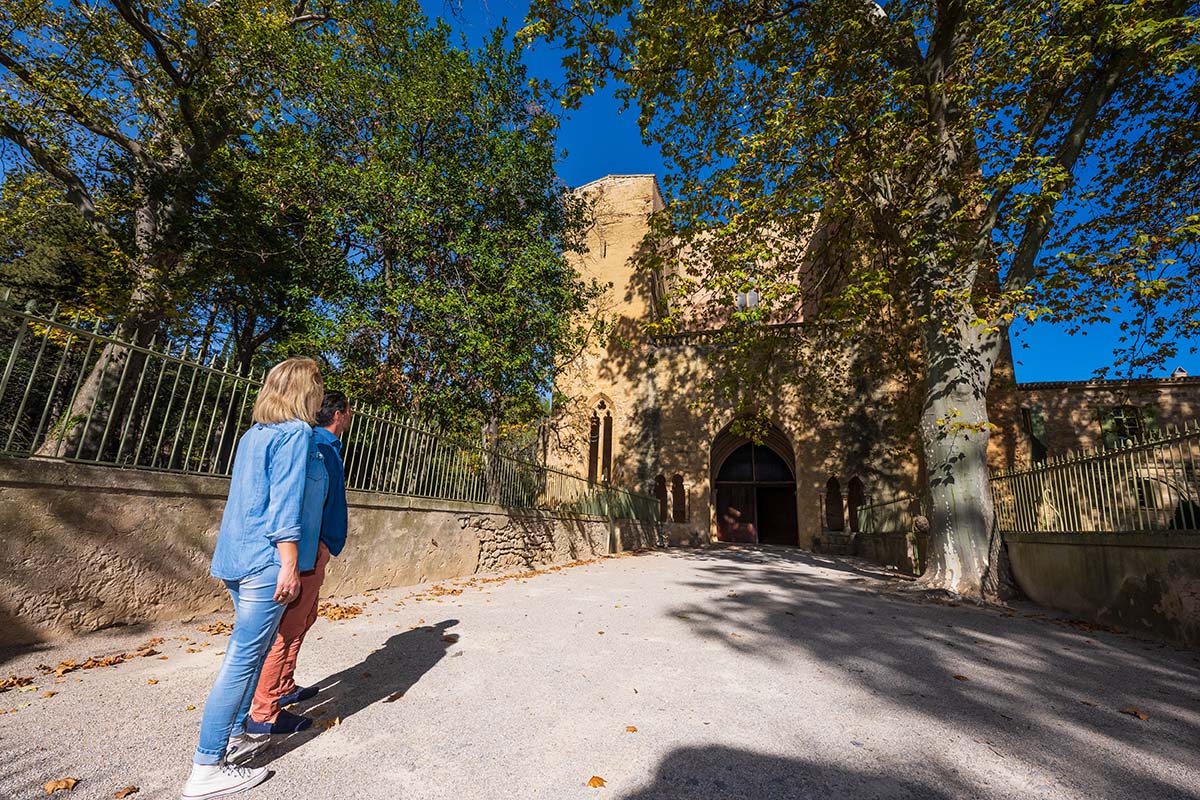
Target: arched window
835, 519
600, 444
606, 461
660, 494
593, 448
855, 497
678, 500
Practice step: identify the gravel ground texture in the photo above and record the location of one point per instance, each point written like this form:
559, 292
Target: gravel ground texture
703, 674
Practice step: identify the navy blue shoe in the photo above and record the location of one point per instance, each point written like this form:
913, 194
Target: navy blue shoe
286, 722
301, 693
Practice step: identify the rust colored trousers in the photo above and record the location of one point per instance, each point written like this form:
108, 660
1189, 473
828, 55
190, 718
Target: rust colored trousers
278, 676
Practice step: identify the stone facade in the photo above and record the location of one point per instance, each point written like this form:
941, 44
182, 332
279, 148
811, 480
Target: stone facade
1073, 416
83, 548
632, 414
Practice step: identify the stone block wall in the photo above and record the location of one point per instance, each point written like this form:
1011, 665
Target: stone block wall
83, 548
1148, 582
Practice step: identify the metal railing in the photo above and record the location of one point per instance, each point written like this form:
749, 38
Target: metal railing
1150, 485
890, 516
71, 389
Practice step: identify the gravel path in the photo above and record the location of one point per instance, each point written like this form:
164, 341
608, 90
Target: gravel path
747, 673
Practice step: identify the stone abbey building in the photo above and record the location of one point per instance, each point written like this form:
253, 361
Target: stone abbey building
632, 416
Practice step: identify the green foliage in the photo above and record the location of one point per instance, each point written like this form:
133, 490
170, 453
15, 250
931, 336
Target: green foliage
441, 165
268, 179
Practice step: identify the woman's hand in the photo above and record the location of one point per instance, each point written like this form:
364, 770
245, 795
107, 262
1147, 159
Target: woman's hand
287, 588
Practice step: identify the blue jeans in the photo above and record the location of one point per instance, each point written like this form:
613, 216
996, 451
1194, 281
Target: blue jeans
256, 616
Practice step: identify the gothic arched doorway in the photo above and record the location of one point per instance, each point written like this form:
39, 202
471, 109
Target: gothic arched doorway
754, 487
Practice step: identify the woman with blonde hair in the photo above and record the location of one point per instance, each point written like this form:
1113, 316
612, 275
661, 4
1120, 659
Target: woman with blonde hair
269, 534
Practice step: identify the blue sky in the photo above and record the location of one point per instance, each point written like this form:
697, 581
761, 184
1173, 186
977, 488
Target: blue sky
600, 140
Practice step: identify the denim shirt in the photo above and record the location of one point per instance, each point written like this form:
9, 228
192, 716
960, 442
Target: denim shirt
276, 494
333, 520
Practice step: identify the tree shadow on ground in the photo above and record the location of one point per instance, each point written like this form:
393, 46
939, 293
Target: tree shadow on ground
717, 772
1034, 686
391, 669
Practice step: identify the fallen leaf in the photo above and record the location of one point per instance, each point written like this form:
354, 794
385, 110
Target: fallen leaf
62, 785
190, 708
49, 694
193, 650
1134, 711
152, 681
14, 681
333, 611
600, 632
329, 722
961, 678
128, 790
216, 628
162, 658
393, 697
1088, 703
596, 782
450, 638
631, 729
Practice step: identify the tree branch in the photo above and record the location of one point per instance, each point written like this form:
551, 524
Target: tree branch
73, 110
991, 213
1041, 218
142, 26
76, 191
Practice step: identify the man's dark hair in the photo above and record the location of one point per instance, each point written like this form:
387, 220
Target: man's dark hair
333, 402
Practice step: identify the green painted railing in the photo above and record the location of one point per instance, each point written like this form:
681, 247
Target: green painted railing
1147, 485
73, 390
891, 516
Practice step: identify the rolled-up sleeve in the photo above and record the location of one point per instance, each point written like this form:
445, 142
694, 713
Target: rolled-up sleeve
287, 469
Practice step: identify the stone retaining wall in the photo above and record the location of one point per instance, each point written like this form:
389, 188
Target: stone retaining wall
83, 548
1147, 582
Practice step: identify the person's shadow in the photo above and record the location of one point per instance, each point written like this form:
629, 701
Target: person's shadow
390, 670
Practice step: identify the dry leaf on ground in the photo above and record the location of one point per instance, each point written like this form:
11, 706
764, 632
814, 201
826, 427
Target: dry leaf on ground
631, 729
190, 708
14, 681
329, 722
1134, 711
152, 681
961, 678
596, 782
450, 638
393, 697
333, 611
61, 785
48, 693
216, 628
128, 790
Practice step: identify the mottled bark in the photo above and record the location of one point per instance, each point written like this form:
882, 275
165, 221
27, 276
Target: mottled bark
954, 435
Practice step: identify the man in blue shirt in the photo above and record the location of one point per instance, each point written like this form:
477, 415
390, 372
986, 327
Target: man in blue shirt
277, 683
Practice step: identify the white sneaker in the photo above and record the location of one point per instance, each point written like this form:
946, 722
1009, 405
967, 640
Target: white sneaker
218, 780
243, 747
